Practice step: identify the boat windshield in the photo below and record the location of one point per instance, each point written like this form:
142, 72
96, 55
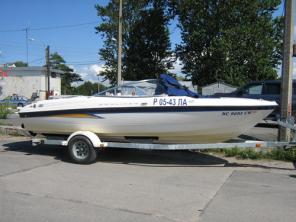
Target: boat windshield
165, 85
132, 88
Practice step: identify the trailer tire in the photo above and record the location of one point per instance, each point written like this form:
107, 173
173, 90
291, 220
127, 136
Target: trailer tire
81, 150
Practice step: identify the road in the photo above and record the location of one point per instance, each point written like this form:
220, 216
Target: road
39, 184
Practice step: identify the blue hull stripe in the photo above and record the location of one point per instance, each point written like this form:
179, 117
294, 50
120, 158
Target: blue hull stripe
148, 109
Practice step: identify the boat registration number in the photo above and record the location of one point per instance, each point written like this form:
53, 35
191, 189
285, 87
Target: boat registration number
237, 113
169, 102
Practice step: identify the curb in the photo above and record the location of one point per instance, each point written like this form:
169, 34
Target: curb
13, 131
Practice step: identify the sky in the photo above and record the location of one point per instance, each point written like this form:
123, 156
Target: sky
67, 26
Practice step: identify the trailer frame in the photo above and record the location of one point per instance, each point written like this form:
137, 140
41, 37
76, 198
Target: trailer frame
96, 143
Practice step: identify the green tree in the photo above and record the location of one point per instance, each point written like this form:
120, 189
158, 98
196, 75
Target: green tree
229, 40
135, 14
19, 64
108, 29
68, 77
148, 47
88, 88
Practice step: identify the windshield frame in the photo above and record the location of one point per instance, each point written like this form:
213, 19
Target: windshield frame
134, 84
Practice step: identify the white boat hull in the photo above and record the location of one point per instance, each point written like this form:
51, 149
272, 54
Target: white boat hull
198, 126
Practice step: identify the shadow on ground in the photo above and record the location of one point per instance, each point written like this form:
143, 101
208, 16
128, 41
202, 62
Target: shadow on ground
136, 157
159, 158
58, 152
120, 156
254, 165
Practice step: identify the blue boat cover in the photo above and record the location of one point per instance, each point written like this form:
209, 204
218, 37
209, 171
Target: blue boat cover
170, 86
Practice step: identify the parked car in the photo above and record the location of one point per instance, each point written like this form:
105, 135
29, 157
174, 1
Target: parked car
15, 100
267, 90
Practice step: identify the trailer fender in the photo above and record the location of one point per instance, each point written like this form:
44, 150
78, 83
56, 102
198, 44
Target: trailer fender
95, 140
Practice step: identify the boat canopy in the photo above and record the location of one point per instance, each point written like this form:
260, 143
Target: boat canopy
166, 84
170, 86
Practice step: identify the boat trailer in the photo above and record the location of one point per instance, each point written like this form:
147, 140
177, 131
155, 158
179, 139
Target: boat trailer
81, 144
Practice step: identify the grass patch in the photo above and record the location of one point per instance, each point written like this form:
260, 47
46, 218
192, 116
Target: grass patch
5, 109
244, 154
255, 154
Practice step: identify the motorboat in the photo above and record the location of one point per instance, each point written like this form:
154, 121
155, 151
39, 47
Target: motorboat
158, 111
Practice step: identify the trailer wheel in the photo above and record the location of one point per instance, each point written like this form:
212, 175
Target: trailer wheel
81, 150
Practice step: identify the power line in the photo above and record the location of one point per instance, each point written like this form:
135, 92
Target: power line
67, 50
63, 26
13, 30
88, 61
10, 44
50, 27
80, 64
36, 60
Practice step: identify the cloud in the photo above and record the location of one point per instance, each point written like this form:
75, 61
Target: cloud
97, 68
89, 72
279, 69
177, 67
92, 72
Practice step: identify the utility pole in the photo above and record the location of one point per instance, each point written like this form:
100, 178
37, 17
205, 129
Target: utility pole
27, 46
47, 71
119, 44
287, 69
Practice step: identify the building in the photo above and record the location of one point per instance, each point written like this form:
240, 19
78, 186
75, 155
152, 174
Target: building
31, 82
189, 85
217, 87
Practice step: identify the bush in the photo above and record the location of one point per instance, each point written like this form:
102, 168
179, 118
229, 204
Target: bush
274, 154
250, 154
287, 155
4, 111
231, 152
254, 153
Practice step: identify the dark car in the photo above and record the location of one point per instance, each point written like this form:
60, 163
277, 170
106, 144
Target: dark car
267, 90
15, 100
